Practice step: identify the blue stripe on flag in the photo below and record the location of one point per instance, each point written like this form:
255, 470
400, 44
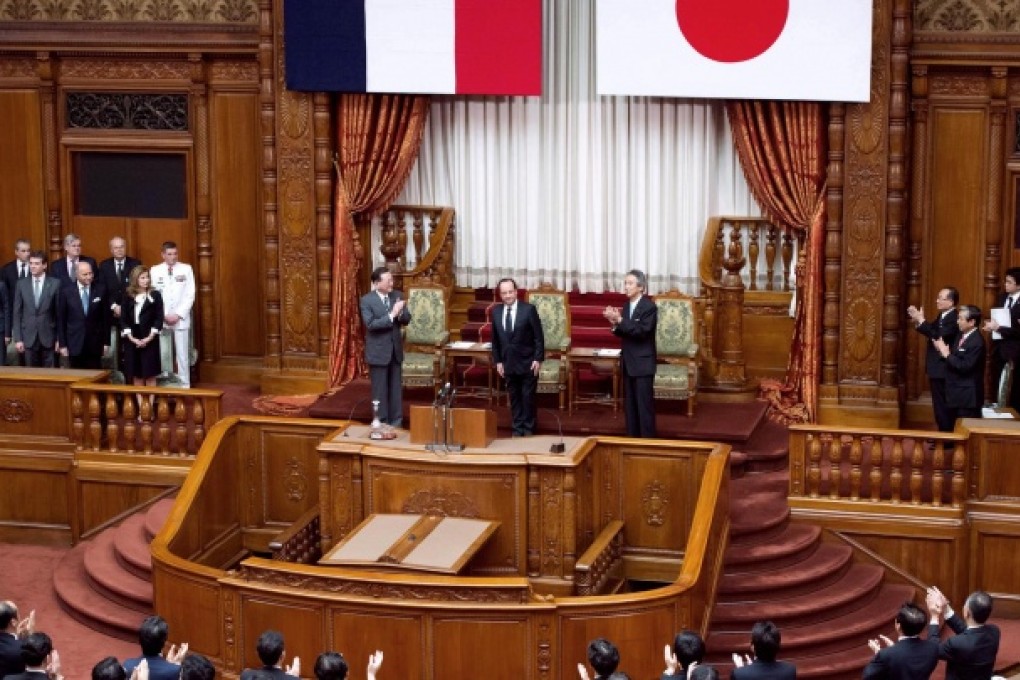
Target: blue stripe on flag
324, 45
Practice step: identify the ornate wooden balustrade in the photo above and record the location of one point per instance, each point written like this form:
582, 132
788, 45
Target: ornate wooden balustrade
431, 232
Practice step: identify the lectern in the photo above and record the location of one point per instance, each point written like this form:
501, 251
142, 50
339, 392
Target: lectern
473, 427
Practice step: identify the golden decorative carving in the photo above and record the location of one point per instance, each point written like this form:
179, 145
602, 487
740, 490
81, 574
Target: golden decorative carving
958, 84
108, 69
183, 11
295, 211
16, 411
861, 336
298, 290
295, 480
17, 68
229, 631
235, 71
972, 16
544, 657
440, 503
295, 113
654, 503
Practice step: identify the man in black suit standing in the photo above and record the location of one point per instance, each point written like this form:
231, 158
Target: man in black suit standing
910, 657
83, 320
765, 642
965, 366
10, 644
518, 350
115, 272
1006, 347
35, 314
970, 654
272, 653
41, 661
943, 326
65, 269
384, 311
10, 274
635, 325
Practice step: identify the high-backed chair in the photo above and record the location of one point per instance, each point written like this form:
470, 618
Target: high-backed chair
554, 312
425, 336
676, 335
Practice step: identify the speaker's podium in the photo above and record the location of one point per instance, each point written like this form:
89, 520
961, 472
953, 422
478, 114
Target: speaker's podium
475, 428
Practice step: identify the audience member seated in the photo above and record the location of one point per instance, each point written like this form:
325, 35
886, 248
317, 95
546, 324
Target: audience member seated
41, 660
109, 669
603, 656
272, 652
688, 649
910, 657
765, 641
197, 667
332, 666
971, 652
152, 635
12, 629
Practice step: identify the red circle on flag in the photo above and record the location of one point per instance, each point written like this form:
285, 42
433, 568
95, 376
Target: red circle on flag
732, 30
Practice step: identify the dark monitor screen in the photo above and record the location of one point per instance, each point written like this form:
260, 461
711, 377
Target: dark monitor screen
112, 184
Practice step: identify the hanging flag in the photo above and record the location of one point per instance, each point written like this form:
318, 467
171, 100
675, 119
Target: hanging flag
414, 46
736, 49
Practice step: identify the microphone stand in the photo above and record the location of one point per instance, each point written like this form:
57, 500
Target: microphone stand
448, 417
439, 413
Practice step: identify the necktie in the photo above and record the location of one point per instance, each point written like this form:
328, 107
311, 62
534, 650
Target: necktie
386, 301
1009, 302
120, 271
72, 269
38, 291
960, 344
633, 306
24, 271
85, 299
169, 271
508, 319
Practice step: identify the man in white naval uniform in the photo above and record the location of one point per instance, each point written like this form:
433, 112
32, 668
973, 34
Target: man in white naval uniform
176, 282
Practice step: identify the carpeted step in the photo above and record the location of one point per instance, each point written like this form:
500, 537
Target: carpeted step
768, 447
786, 548
777, 481
155, 516
760, 516
109, 577
87, 606
823, 566
851, 591
131, 543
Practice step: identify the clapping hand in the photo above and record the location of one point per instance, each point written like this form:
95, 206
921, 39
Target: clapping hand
876, 643
916, 315
176, 655
741, 661
295, 668
26, 626
374, 662
582, 671
53, 667
671, 663
141, 671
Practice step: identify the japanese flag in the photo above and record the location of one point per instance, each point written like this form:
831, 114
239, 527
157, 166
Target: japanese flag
736, 49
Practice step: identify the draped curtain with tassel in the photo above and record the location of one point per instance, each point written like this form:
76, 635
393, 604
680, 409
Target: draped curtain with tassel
377, 140
782, 152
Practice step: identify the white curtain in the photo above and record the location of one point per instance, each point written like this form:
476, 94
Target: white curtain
573, 188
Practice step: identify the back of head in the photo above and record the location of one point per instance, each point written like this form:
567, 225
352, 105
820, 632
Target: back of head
152, 635
704, 673
603, 656
911, 618
8, 614
980, 605
35, 648
765, 640
197, 667
330, 666
618, 675
270, 647
108, 669
688, 648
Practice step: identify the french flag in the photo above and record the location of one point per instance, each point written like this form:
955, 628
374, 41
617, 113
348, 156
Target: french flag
482, 47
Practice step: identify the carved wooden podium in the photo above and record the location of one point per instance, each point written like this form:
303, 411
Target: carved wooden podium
475, 428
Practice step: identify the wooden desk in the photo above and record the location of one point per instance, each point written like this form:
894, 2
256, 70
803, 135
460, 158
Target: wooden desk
587, 357
480, 354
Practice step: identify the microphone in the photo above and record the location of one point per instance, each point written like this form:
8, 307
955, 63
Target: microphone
441, 397
451, 398
359, 402
558, 447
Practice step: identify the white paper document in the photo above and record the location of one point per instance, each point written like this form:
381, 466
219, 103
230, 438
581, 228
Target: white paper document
1000, 315
461, 344
607, 352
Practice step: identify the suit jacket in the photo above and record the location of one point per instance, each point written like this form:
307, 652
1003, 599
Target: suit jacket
151, 316
33, 322
108, 274
28, 675
9, 277
637, 332
965, 373
276, 673
910, 658
1009, 346
81, 333
58, 268
765, 670
159, 668
10, 655
383, 342
178, 291
944, 326
525, 344
970, 654
6, 312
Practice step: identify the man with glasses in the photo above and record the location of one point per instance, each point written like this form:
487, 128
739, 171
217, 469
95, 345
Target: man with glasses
943, 326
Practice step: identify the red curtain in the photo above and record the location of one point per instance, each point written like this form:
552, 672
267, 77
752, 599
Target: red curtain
378, 138
782, 152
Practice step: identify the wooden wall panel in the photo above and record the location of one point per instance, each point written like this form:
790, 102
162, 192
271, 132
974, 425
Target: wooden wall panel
22, 193
301, 625
454, 636
236, 174
642, 633
191, 608
35, 496
660, 518
995, 540
399, 635
290, 471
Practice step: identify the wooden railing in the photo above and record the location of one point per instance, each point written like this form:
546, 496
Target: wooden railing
148, 420
725, 235
862, 465
431, 231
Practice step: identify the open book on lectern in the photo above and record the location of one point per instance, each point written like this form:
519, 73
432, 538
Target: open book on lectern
418, 542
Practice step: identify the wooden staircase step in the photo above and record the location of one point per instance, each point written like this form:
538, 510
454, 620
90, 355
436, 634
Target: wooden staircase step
785, 549
155, 516
84, 604
109, 577
825, 565
131, 542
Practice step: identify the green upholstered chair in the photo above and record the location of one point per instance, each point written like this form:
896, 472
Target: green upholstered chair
676, 335
554, 312
425, 337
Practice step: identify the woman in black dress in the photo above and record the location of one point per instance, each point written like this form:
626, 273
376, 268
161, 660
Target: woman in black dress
141, 319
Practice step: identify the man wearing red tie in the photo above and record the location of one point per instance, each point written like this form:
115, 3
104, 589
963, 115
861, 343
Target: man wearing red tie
965, 366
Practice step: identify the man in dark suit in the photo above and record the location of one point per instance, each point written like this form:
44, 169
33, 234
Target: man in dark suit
635, 325
41, 661
6, 312
83, 320
10, 273
65, 269
970, 654
518, 350
35, 314
965, 366
688, 649
272, 653
765, 642
10, 646
152, 636
384, 311
910, 657
115, 272
1006, 347
943, 326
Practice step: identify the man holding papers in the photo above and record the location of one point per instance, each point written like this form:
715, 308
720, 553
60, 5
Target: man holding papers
1004, 326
